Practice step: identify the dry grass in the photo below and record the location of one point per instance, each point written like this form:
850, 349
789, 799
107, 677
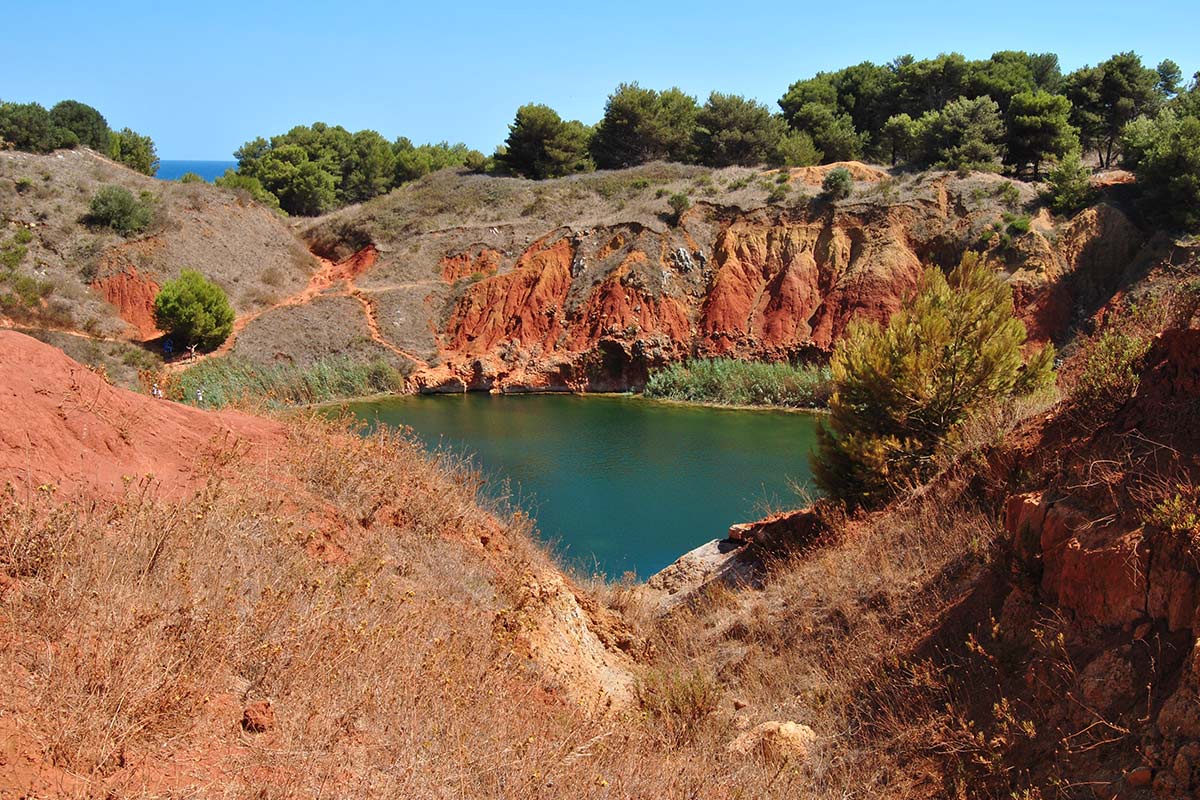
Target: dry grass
344, 586
832, 641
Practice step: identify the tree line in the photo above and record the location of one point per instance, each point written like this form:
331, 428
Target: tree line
68, 124
1014, 111
314, 168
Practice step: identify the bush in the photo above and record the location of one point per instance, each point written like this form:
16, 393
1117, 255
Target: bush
194, 310
725, 381
679, 203
1107, 360
134, 151
838, 183
679, 703
901, 391
796, 149
24, 185
251, 187
1017, 225
191, 177
1009, 194
12, 254
88, 124
1164, 152
1069, 188
778, 193
30, 127
115, 207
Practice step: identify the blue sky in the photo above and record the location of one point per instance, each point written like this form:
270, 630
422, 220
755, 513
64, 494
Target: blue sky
201, 78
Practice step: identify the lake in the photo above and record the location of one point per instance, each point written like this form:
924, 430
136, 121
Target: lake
617, 483
209, 170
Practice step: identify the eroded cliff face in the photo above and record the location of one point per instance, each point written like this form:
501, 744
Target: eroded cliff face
596, 302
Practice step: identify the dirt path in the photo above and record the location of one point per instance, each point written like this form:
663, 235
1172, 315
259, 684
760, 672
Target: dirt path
332, 279
9, 325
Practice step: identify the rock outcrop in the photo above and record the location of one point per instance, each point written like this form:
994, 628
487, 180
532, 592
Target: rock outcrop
775, 742
587, 305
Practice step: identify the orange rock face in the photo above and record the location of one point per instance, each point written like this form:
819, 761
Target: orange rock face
583, 307
613, 308
463, 265
524, 305
800, 284
133, 295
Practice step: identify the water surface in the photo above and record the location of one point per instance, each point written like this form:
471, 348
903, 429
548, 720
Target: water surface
173, 170
617, 483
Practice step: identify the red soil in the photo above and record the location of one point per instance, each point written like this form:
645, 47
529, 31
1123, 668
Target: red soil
464, 265
133, 295
525, 305
613, 307
64, 426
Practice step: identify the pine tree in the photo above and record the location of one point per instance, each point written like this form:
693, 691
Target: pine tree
901, 391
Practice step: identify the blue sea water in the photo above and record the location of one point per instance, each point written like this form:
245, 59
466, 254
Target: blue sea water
209, 170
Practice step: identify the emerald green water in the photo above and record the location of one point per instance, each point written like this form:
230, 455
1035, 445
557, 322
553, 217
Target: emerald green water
617, 484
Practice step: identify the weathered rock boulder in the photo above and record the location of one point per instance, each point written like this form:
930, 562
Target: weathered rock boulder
774, 742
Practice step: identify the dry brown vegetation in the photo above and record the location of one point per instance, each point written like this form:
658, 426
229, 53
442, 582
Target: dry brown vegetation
351, 592
353, 595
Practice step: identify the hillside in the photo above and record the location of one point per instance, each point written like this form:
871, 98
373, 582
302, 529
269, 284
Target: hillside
229, 601
184, 595
585, 283
94, 288
217, 603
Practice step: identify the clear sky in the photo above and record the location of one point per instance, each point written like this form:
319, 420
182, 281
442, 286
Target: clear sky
203, 77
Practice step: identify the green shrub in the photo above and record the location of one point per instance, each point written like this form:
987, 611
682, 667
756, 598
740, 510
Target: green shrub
230, 380
1178, 512
194, 310
679, 203
12, 254
777, 194
24, 185
901, 391
725, 381
1069, 186
24, 290
23, 236
191, 177
837, 183
1017, 225
1164, 152
115, 207
1009, 194
133, 150
1107, 376
251, 187
796, 149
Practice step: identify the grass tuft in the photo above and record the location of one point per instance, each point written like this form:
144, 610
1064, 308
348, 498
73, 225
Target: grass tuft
232, 381
726, 381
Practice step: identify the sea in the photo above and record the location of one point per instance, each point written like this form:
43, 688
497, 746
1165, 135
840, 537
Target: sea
209, 170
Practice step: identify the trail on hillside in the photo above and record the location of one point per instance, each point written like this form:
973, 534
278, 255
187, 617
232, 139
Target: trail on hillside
332, 279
